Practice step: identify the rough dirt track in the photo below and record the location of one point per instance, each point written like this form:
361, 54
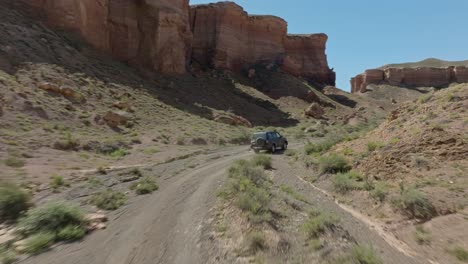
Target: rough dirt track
166, 227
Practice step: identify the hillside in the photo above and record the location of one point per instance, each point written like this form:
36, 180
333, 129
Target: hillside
410, 173
431, 62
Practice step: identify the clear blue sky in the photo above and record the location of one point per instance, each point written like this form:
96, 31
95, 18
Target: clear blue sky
366, 34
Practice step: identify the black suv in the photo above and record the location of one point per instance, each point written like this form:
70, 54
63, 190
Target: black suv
269, 140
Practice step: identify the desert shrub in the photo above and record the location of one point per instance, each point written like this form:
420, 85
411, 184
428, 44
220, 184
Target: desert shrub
345, 182
290, 152
364, 255
39, 242
322, 146
119, 153
416, 204
255, 241
425, 98
68, 142
13, 201
14, 162
372, 146
57, 182
460, 253
51, 217
289, 190
7, 256
71, 233
241, 138
379, 192
248, 187
263, 161
318, 223
145, 186
422, 236
109, 200
333, 163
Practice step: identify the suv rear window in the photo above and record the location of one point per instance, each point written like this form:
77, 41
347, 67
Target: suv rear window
259, 135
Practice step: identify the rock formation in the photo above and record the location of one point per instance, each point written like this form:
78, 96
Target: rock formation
154, 34
410, 77
226, 37
165, 36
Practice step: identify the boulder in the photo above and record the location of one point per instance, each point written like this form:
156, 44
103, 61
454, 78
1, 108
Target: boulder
116, 118
314, 111
97, 218
231, 119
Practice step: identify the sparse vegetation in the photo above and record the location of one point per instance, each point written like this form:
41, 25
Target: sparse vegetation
318, 223
460, 253
248, 187
39, 242
379, 192
255, 241
13, 201
289, 190
345, 182
322, 146
57, 182
263, 161
71, 233
7, 256
290, 152
119, 153
14, 162
67, 143
373, 145
415, 204
333, 163
146, 185
425, 98
109, 200
51, 217
422, 236
365, 255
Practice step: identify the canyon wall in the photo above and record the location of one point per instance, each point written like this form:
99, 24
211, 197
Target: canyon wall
226, 37
167, 36
410, 77
153, 34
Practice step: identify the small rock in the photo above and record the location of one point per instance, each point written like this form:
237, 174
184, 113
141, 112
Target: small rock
116, 118
315, 111
99, 218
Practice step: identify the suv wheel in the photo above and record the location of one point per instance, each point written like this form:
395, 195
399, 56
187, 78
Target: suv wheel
273, 148
285, 146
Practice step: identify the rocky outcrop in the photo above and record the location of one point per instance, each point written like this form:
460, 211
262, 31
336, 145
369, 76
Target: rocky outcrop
226, 37
154, 34
166, 36
410, 77
306, 57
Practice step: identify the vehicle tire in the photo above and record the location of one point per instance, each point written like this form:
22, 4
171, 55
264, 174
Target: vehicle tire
273, 149
285, 146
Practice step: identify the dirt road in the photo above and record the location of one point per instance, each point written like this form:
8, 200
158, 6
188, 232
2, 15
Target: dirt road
166, 227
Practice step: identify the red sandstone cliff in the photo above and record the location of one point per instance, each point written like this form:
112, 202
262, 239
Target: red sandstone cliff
167, 35
226, 37
154, 34
410, 77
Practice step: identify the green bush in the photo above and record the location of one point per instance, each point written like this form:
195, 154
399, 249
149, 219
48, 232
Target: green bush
318, 223
416, 204
145, 186
255, 241
263, 161
14, 162
119, 153
460, 253
322, 146
425, 98
71, 233
7, 256
379, 192
372, 146
39, 242
51, 217
333, 163
290, 152
422, 236
109, 200
349, 181
365, 255
13, 201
